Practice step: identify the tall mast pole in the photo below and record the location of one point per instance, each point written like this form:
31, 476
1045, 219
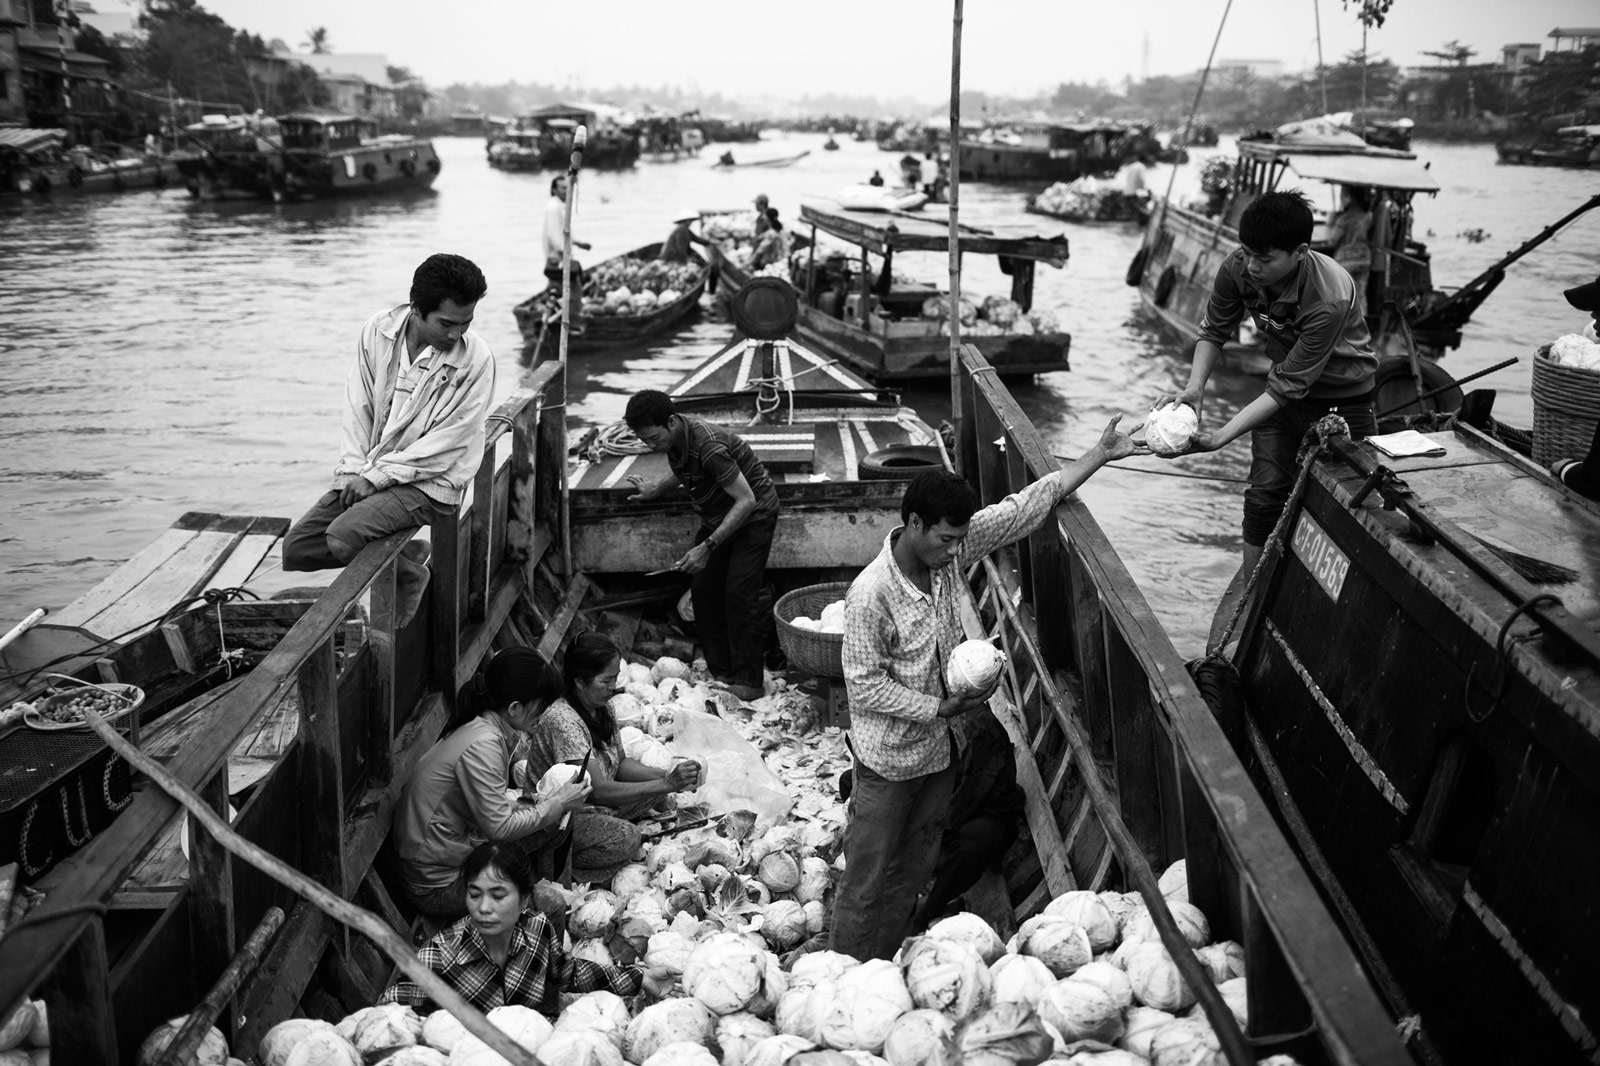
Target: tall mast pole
580, 140
955, 234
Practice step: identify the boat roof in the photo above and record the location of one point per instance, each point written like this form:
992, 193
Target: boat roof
323, 118
1358, 169
880, 231
1584, 131
25, 139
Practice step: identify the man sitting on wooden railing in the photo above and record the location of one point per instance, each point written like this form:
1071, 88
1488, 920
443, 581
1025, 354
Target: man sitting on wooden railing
413, 429
901, 622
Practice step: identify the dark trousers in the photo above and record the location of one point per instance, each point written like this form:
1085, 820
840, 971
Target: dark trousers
331, 534
968, 850
890, 847
1273, 447
727, 594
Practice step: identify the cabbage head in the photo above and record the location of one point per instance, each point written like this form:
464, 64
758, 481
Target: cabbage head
1019, 979
1109, 977
1225, 960
602, 1012
671, 1021
774, 983
1233, 994
1139, 1027
683, 1053
1081, 1010
779, 871
631, 880
820, 965
784, 924
1186, 1042
441, 1030
866, 1002
1189, 919
213, 1050
802, 1008
668, 951
593, 915
667, 666
971, 930
724, 971
523, 1024
738, 1033
778, 1050
946, 975
1086, 910
414, 1055
580, 1047
1174, 881
921, 1038
1059, 944
1004, 1035
326, 1048
388, 1025
1156, 980
275, 1046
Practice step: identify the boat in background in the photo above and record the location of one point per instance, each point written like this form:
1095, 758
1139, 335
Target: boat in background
611, 327
34, 161
302, 155
727, 162
1569, 146
892, 328
1041, 150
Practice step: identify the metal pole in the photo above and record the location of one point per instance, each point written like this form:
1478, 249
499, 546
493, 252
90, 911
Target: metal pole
580, 140
1322, 70
62, 12
955, 234
1188, 125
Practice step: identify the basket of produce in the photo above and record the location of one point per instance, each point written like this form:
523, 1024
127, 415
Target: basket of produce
811, 627
1566, 399
64, 709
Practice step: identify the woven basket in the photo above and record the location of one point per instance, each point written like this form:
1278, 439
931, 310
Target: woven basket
1566, 408
816, 653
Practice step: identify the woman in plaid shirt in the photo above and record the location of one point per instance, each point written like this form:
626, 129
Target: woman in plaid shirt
505, 952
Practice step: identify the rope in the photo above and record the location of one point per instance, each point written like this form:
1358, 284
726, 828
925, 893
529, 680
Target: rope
1316, 439
1503, 656
616, 439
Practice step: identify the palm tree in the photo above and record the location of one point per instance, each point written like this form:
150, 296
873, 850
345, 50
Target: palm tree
1453, 51
317, 39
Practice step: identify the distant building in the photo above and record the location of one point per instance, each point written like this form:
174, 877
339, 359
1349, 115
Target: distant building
1516, 63
121, 27
371, 66
346, 92
1581, 37
1268, 69
54, 72
13, 17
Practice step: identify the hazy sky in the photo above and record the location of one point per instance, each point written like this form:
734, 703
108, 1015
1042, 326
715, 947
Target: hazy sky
879, 47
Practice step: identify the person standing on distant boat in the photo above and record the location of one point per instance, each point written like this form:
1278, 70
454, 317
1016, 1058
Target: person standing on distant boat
555, 224
738, 509
1349, 240
773, 246
1306, 308
413, 429
902, 621
762, 223
675, 249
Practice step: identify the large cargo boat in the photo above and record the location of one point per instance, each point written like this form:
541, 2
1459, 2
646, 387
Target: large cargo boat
1121, 764
1421, 699
303, 155
878, 323
1051, 151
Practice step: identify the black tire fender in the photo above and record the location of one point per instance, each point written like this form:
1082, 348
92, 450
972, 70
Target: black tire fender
370, 171
75, 177
1136, 268
899, 462
1164, 284
1392, 386
408, 167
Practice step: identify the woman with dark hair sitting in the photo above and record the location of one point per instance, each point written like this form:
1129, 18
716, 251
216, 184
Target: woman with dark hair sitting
457, 797
505, 952
580, 724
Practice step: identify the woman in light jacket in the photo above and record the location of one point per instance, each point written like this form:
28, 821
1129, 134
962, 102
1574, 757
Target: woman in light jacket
458, 796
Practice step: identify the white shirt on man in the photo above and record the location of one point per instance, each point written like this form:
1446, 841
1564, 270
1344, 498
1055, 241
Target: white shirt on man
555, 243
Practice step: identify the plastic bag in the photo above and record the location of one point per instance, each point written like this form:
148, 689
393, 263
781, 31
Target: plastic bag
735, 776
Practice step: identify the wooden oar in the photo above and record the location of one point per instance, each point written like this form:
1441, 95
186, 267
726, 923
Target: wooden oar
342, 910
23, 626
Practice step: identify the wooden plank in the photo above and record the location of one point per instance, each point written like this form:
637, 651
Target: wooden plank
211, 918
550, 641
506, 589
1088, 652
1138, 765
262, 542
446, 602
381, 903
77, 997
479, 516
122, 580
321, 811
170, 585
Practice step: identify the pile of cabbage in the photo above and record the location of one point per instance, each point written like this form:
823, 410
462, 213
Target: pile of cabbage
992, 317
1084, 200
25, 1035
734, 915
629, 286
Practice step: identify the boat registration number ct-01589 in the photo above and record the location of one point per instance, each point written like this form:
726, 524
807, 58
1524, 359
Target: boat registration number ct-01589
1317, 551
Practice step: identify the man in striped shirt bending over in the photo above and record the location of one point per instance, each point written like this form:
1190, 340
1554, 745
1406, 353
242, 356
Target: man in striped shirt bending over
901, 622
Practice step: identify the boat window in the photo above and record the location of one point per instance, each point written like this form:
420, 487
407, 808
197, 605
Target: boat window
1456, 810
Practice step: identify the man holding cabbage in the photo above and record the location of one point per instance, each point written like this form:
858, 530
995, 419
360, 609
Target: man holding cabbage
902, 626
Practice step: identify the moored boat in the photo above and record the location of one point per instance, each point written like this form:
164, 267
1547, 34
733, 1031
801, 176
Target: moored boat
303, 155
891, 328
1049, 151
1445, 792
1088, 200
727, 162
517, 149
612, 326
33, 161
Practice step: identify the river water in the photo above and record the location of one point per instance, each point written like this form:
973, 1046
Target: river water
164, 355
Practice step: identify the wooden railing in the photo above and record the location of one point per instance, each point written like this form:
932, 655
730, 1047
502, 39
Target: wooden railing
1124, 765
368, 709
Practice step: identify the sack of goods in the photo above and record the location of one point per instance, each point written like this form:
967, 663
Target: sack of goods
1170, 429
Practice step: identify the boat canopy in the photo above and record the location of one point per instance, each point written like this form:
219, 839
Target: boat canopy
30, 140
882, 232
1578, 131
1386, 172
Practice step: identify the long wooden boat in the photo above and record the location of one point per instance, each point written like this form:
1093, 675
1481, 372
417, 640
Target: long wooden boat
1570, 146
603, 331
1121, 762
122, 175
303, 155
1047, 151
1447, 793
1120, 209
1183, 248
727, 161
883, 335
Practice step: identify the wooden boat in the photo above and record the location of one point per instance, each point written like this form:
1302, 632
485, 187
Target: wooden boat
882, 335
1048, 151
727, 161
304, 155
33, 161
1444, 793
1120, 761
612, 331
1113, 209
1182, 249
611, 146
517, 150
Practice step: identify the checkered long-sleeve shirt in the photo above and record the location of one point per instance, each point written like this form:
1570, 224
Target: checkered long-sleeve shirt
459, 956
896, 640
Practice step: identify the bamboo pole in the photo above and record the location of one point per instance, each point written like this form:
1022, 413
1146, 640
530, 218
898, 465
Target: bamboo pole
342, 910
186, 1041
580, 141
955, 229
1158, 217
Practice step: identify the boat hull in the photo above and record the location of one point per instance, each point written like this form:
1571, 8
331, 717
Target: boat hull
611, 331
371, 169
1452, 787
63, 179
1005, 162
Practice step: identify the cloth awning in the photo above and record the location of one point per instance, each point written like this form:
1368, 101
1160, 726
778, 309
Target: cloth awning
48, 61
24, 139
1387, 172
